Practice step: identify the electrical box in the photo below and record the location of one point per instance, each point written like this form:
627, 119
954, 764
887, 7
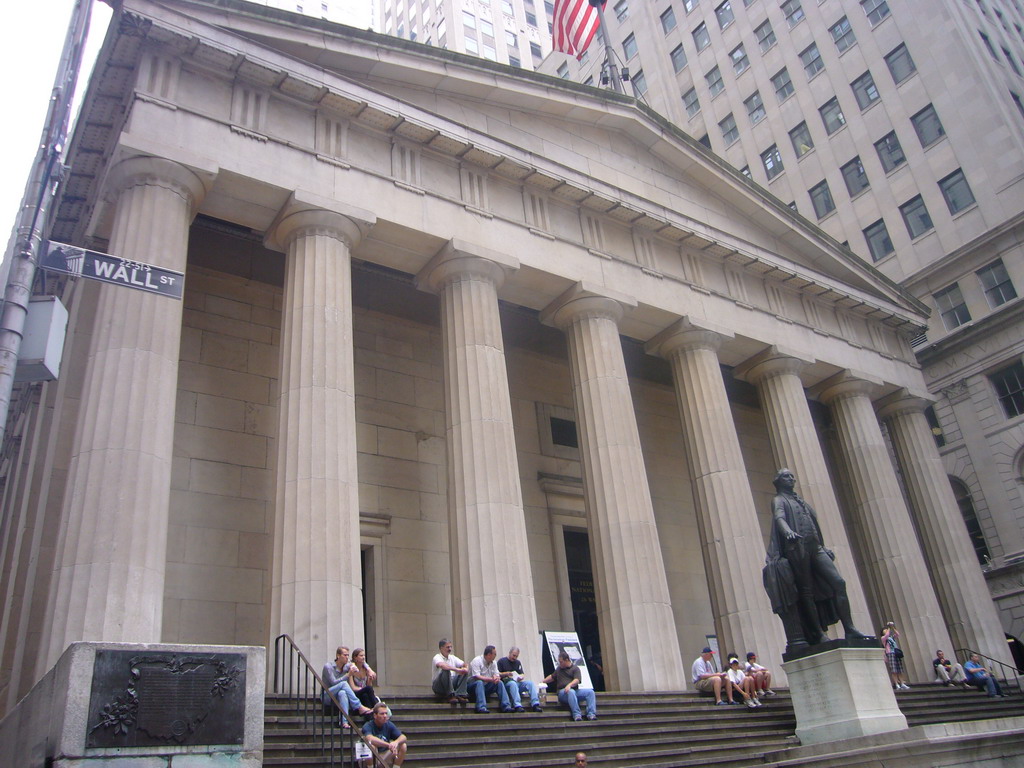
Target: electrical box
43, 343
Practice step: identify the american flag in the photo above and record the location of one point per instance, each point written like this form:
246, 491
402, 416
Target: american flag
574, 26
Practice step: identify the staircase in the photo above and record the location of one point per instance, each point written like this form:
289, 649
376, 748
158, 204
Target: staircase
655, 730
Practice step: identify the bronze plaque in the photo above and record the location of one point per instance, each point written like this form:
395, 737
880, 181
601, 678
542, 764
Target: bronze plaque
155, 698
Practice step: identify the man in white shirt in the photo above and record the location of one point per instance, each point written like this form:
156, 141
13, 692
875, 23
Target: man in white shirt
451, 675
762, 677
486, 680
706, 678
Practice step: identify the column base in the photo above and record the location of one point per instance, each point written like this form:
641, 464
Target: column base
841, 694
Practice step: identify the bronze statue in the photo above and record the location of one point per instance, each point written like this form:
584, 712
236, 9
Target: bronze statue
800, 577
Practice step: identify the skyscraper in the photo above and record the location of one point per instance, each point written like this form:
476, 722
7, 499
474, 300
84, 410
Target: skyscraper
355, 13
899, 129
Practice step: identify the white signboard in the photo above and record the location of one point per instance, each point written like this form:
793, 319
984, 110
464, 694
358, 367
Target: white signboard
556, 642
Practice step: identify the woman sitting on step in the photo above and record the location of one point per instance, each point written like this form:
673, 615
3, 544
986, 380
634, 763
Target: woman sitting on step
361, 678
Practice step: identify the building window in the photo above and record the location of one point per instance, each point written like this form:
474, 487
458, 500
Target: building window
864, 90
563, 71
915, 216
678, 57
724, 14
996, 282
926, 123
956, 191
772, 162
952, 308
705, 140
878, 240
765, 36
1011, 61
934, 426
842, 34
821, 199
875, 10
701, 38
639, 83
629, 46
832, 115
535, 50
668, 20
621, 9
471, 45
691, 103
794, 12
1009, 385
689, 5
901, 66
783, 84
740, 62
811, 59
801, 138
531, 19
855, 177
966, 505
729, 130
745, 170
714, 81
1017, 103
890, 153
988, 45
755, 108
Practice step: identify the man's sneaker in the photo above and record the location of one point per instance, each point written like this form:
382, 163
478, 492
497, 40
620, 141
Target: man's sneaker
519, 709
537, 708
576, 718
719, 703
904, 686
482, 711
768, 692
591, 716
757, 702
750, 703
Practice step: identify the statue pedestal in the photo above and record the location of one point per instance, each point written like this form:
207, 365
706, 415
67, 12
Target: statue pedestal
842, 693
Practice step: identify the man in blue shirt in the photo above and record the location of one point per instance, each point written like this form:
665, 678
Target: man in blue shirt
980, 677
384, 736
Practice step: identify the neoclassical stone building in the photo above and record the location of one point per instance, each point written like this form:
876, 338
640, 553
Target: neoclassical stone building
464, 351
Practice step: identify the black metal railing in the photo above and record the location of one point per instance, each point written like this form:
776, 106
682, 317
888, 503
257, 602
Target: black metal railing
306, 692
1006, 672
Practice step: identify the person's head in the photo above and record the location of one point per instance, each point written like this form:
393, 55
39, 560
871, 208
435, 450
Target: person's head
751, 656
490, 653
341, 655
359, 657
581, 760
975, 658
940, 655
444, 645
564, 660
380, 713
784, 479
513, 653
707, 653
734, 662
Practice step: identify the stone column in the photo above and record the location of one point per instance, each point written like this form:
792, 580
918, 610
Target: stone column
966, 602
639, 642
112, 549
795, 444
731, 538
492, 582
316, 587
890, 552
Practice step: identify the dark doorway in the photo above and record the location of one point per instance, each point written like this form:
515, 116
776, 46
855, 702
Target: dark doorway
584, 602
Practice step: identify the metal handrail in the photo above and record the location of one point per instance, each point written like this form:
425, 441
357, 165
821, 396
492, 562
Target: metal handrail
299, 680
967, 653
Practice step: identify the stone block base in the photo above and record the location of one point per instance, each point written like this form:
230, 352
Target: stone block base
842, 694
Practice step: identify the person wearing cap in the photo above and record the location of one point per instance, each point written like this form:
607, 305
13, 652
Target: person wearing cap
705, 678
762, 677
739, 682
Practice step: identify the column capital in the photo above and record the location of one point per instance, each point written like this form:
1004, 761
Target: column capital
773, 361
305, 212
157, 171
582, 300
688, 333
846, 383
461, 259
902, 401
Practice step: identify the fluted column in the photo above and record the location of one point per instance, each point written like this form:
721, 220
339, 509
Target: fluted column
966, 602
316, 587
731, 539
492, 582
899, 577
795, 444
112, 549
639, 642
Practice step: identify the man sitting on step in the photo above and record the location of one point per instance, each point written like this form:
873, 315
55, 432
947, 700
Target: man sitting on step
485, 680
706, 678
566, 678
948, 672
511, 669
335, 681
982, 678
384, 736
451, 675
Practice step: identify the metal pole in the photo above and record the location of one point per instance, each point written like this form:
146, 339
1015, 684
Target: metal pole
35, 203
609, 52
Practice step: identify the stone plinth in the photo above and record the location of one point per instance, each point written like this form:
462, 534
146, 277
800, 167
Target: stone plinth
842, 694
54, 725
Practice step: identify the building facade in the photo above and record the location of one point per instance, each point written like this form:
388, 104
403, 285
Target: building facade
513, 32
865, 120
464, 351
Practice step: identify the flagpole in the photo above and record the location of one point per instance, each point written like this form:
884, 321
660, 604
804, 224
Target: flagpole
609, 52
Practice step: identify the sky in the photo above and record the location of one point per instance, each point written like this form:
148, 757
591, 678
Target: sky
30, 53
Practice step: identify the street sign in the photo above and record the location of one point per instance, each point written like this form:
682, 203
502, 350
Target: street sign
72, 260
